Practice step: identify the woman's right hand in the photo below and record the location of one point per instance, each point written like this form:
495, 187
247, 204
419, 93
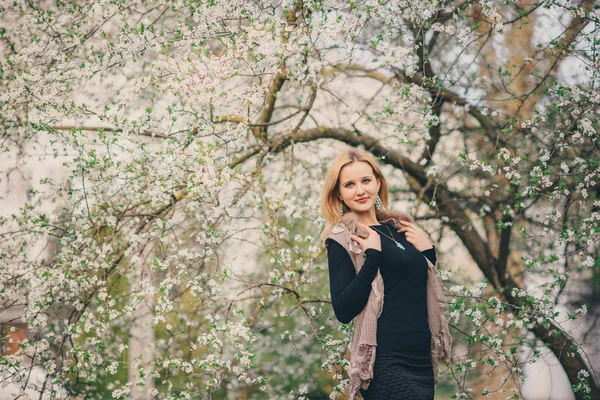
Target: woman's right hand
373, 241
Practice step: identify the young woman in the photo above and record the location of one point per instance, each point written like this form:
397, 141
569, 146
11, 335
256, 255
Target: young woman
376, 254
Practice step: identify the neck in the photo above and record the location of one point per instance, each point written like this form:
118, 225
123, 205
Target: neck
367, 218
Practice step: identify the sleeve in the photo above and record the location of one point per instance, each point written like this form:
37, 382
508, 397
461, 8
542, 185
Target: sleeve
350, 291
430, 254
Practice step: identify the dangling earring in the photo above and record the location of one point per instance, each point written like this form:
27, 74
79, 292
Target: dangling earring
378, 203
341, 209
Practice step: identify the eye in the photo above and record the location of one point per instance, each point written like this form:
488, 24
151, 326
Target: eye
367, 180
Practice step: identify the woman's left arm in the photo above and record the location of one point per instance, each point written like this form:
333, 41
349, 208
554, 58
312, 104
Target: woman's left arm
430, 254
418, 238
415, 236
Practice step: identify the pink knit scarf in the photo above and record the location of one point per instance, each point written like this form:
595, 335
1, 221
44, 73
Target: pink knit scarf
364, 341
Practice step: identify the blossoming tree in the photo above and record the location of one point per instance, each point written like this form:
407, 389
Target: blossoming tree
189, 139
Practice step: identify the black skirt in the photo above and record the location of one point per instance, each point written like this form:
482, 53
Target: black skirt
400, 376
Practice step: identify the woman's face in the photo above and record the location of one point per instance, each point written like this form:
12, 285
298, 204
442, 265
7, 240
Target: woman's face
357, 181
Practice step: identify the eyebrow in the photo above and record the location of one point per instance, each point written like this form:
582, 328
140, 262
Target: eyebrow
368, 176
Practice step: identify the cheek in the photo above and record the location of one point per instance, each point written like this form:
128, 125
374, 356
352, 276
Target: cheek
344, 192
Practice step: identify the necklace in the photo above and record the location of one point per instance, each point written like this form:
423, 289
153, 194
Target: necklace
391, 237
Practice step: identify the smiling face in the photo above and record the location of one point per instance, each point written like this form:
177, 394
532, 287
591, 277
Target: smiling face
357, 181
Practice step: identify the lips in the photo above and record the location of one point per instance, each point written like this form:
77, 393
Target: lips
363, 200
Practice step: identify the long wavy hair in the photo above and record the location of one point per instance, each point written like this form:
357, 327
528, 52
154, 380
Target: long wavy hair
330, 203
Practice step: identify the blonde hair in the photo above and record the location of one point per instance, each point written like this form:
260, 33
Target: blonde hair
330, 203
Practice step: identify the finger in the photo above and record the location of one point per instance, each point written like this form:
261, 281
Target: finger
356, 238
409, 225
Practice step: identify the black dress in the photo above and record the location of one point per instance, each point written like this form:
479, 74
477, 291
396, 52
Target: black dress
401, 376
403, 368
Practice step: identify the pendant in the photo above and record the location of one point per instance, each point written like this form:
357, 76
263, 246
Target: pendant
399, 245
